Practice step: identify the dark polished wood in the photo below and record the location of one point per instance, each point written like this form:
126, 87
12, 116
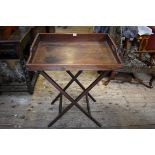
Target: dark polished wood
70, 52
14, 51
73, 51
14, 48
73, 101
74, 78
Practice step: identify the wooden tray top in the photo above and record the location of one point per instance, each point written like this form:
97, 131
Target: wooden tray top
73, 51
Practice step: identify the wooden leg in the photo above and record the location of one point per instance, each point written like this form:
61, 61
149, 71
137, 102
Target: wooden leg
60, 104
88, 106
83, 88
112, 76
73, 101
65, 88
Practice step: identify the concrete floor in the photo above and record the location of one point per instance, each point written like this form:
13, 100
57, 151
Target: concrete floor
119, 105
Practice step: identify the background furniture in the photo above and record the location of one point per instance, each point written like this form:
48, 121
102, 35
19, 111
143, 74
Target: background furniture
151, 49
134, 61
15, 45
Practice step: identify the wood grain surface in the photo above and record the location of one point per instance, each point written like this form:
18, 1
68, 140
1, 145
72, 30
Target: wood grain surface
73, 51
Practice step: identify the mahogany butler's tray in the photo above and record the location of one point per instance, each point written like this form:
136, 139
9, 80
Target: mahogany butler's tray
73, 51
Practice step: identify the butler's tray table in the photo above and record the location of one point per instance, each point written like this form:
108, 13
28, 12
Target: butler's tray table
67, 52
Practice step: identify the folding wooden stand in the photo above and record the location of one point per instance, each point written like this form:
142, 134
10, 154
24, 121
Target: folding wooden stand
73, 101
66, 52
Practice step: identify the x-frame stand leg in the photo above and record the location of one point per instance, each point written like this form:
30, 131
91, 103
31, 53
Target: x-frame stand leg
74, 78
73, 101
